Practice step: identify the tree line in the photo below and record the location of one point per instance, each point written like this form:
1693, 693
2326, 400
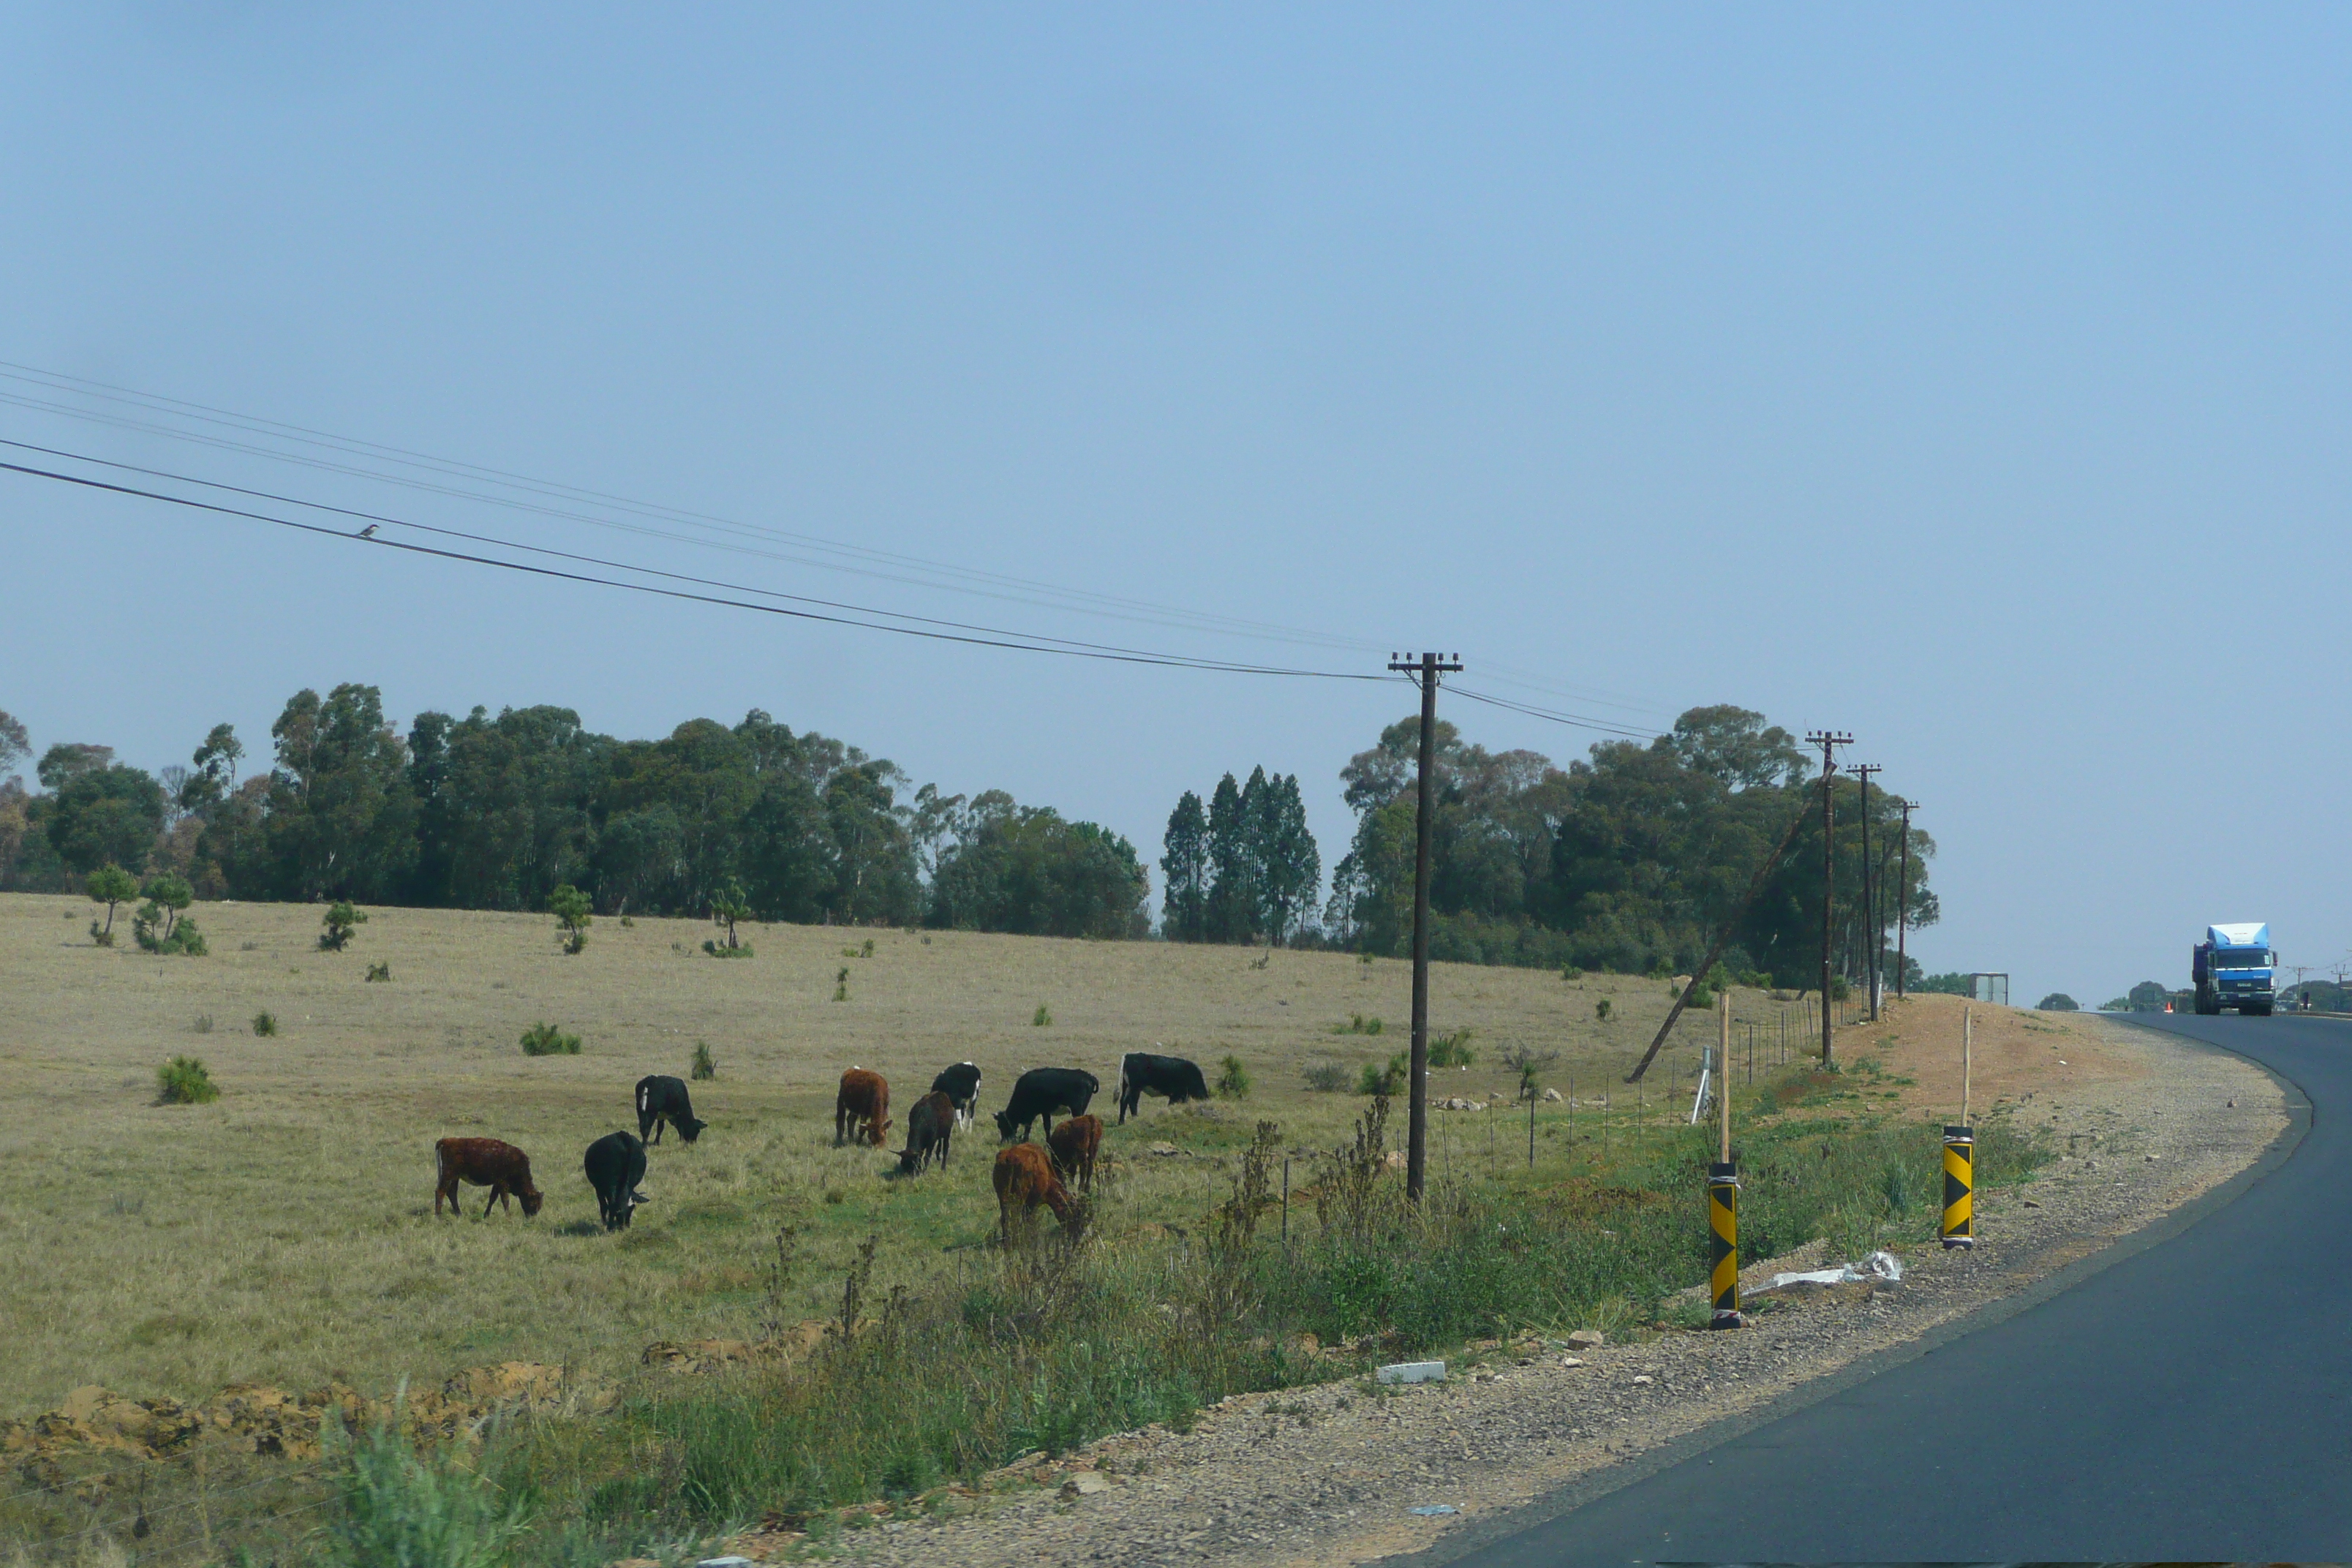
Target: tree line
498, 810
1629, 859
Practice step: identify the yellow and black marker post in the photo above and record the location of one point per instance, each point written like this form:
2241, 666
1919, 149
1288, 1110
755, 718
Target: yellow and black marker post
1959, 1187
1722, 1243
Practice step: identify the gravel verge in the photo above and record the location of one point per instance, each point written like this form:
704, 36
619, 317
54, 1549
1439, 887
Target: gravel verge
1331, 1474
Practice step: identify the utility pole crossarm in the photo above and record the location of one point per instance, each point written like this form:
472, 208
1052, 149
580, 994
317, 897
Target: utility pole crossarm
1425, 668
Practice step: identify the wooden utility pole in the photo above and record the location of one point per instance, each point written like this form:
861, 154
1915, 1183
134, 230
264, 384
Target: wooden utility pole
1723, 1076
1828, 740
1425, 668
1868, 957
1903, 902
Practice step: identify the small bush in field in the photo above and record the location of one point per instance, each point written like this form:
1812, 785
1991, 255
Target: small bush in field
182, 1080
704, 1064
1600, 1010
1234, 1081
570, 907
394, 1505
204, 1024
1327, 1077
264, 1023
1042, 1018
379, 971
1451, 1050
340, 921
547, 1040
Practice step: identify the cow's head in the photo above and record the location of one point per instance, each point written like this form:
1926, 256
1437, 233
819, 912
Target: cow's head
532, 1199
691, 1129
877, 1130
1004, 1125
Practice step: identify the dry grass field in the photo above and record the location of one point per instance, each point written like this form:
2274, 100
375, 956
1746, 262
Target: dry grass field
285, 1233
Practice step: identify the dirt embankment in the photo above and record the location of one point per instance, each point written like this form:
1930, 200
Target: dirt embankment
2143, 1122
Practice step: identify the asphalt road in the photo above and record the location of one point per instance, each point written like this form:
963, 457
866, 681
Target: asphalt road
2190, 1400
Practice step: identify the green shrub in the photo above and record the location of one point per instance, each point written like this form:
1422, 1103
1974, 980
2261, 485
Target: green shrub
1600, 1010
703, 1066
570, 907
182, 1080
1234, 1081
264, 1023
1387, 1082
1451, 1050
1041, 1017
1327, 1077
395, 1507
1357, 1024
340, 921
547, 1040
378, 973
1698, 997
204, 1024
732, 950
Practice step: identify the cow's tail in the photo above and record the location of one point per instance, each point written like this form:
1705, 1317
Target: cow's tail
1122, 1080
645, 1096
441, 1160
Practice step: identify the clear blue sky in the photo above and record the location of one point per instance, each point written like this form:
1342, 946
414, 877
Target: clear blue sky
1973, 379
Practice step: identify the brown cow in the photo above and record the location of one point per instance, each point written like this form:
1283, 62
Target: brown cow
1025, 1178
930, 1127
864, 1098
1073, 1145
484, 1162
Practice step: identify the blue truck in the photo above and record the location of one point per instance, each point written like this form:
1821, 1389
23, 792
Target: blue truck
2234, 967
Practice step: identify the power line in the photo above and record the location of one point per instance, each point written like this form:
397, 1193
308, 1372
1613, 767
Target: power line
962, 631
1013, 641
381, 519
858, 560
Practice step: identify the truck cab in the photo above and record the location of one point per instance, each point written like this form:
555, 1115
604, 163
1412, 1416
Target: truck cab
2234, 967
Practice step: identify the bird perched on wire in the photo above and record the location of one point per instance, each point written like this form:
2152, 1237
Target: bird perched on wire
368, 533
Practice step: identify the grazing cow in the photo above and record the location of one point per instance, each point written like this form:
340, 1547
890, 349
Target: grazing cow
961, 1084
615, 1163
490, 1162
1072, 1146
662, 1099
864, 1098
1046, 1092
1025, 1178
1173, 1078
928, 1127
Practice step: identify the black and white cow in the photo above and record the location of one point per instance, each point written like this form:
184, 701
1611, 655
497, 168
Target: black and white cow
1048, 1092
615, 1163
961, 1084
1173, 1078
662, 1099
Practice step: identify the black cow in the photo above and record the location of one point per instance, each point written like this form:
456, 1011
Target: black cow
615, 1163
663, 1099
1173, 1078
1048, 1092
961, 1084
930, 1127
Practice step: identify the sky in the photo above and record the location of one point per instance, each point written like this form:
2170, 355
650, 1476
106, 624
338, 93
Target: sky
1973, 380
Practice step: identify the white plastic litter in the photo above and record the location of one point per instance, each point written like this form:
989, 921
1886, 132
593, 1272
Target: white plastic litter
1414, 1372
1877, 1265
1428, 1509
